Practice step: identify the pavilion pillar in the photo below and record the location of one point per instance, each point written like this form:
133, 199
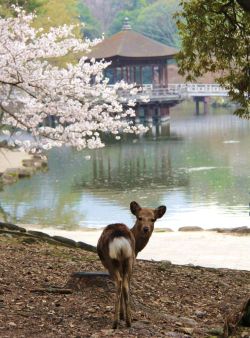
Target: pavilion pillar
127, 75
115, 74
152, 70
124, 73
205, 102
161, 80
164, 113
166, 73
134, 72
149, 115
141, 75
197, 105
155, 75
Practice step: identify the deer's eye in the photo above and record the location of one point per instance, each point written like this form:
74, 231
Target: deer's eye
153, 220
140, 218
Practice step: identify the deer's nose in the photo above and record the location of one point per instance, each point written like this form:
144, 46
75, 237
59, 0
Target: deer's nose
146, 229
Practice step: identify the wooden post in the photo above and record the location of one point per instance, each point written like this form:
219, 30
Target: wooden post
205, 102
149, 115
134, 70
197, 106
166, 73
160, 75
141, 75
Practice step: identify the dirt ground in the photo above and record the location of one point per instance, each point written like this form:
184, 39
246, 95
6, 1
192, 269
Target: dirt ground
167, 300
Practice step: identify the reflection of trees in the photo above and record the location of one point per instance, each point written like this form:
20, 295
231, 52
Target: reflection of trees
4, 215
144, 168
44, 199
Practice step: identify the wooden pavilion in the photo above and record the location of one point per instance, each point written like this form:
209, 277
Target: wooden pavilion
138, 59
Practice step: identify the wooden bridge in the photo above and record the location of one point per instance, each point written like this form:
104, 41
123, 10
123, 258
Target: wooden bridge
178, 92
173, 94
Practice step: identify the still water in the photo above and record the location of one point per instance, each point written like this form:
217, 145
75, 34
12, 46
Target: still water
201, 172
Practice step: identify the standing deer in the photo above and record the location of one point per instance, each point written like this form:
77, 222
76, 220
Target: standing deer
117, 248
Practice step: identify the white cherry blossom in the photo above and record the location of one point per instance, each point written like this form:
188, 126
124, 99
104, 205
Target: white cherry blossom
34, 90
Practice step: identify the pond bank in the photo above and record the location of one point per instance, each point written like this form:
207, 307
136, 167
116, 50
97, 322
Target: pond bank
203, 248
15, 164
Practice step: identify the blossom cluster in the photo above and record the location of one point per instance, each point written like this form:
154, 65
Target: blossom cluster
33, 89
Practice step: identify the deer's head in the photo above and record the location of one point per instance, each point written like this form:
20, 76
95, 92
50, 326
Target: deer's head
145, 218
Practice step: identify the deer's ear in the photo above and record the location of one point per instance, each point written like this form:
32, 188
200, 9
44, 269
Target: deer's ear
134, 208
160, 211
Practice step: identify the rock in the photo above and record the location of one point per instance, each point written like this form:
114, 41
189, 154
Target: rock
218, 331
10, 176
6, 235
28, 162
25, 172
191, 228
241, 230
188, 321
39, 234
164, 265
187, 330
85, 246
200, 314
29, 240
12, 227
214, 229
64, 240
163, 230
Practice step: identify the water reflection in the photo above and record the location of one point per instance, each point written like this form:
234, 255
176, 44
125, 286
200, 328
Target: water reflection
202, 174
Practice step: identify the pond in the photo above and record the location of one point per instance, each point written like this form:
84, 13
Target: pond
201, 172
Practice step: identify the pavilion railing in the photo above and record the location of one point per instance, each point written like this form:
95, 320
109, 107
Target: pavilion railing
175, 91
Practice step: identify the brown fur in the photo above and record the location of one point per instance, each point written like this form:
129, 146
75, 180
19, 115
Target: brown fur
121, 269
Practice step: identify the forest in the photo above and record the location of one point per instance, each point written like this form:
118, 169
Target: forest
153, 18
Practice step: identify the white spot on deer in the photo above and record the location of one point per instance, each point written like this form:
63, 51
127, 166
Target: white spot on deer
120, 247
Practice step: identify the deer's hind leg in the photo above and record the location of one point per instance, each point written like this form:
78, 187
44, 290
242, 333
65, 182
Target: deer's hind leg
118, 283
125, 290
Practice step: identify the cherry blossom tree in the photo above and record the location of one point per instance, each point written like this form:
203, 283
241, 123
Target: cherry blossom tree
33, 88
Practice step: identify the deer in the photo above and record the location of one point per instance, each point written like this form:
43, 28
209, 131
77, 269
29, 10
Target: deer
118, 247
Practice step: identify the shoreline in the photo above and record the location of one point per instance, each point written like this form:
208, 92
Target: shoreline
200, 248
15, 165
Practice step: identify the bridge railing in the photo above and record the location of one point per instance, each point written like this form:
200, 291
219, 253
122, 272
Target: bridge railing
196, 89
176, 91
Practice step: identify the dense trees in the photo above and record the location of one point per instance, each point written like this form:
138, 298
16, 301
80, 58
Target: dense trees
56, 13
91, 28
6, 8
156, 21
151, 18
216, 37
